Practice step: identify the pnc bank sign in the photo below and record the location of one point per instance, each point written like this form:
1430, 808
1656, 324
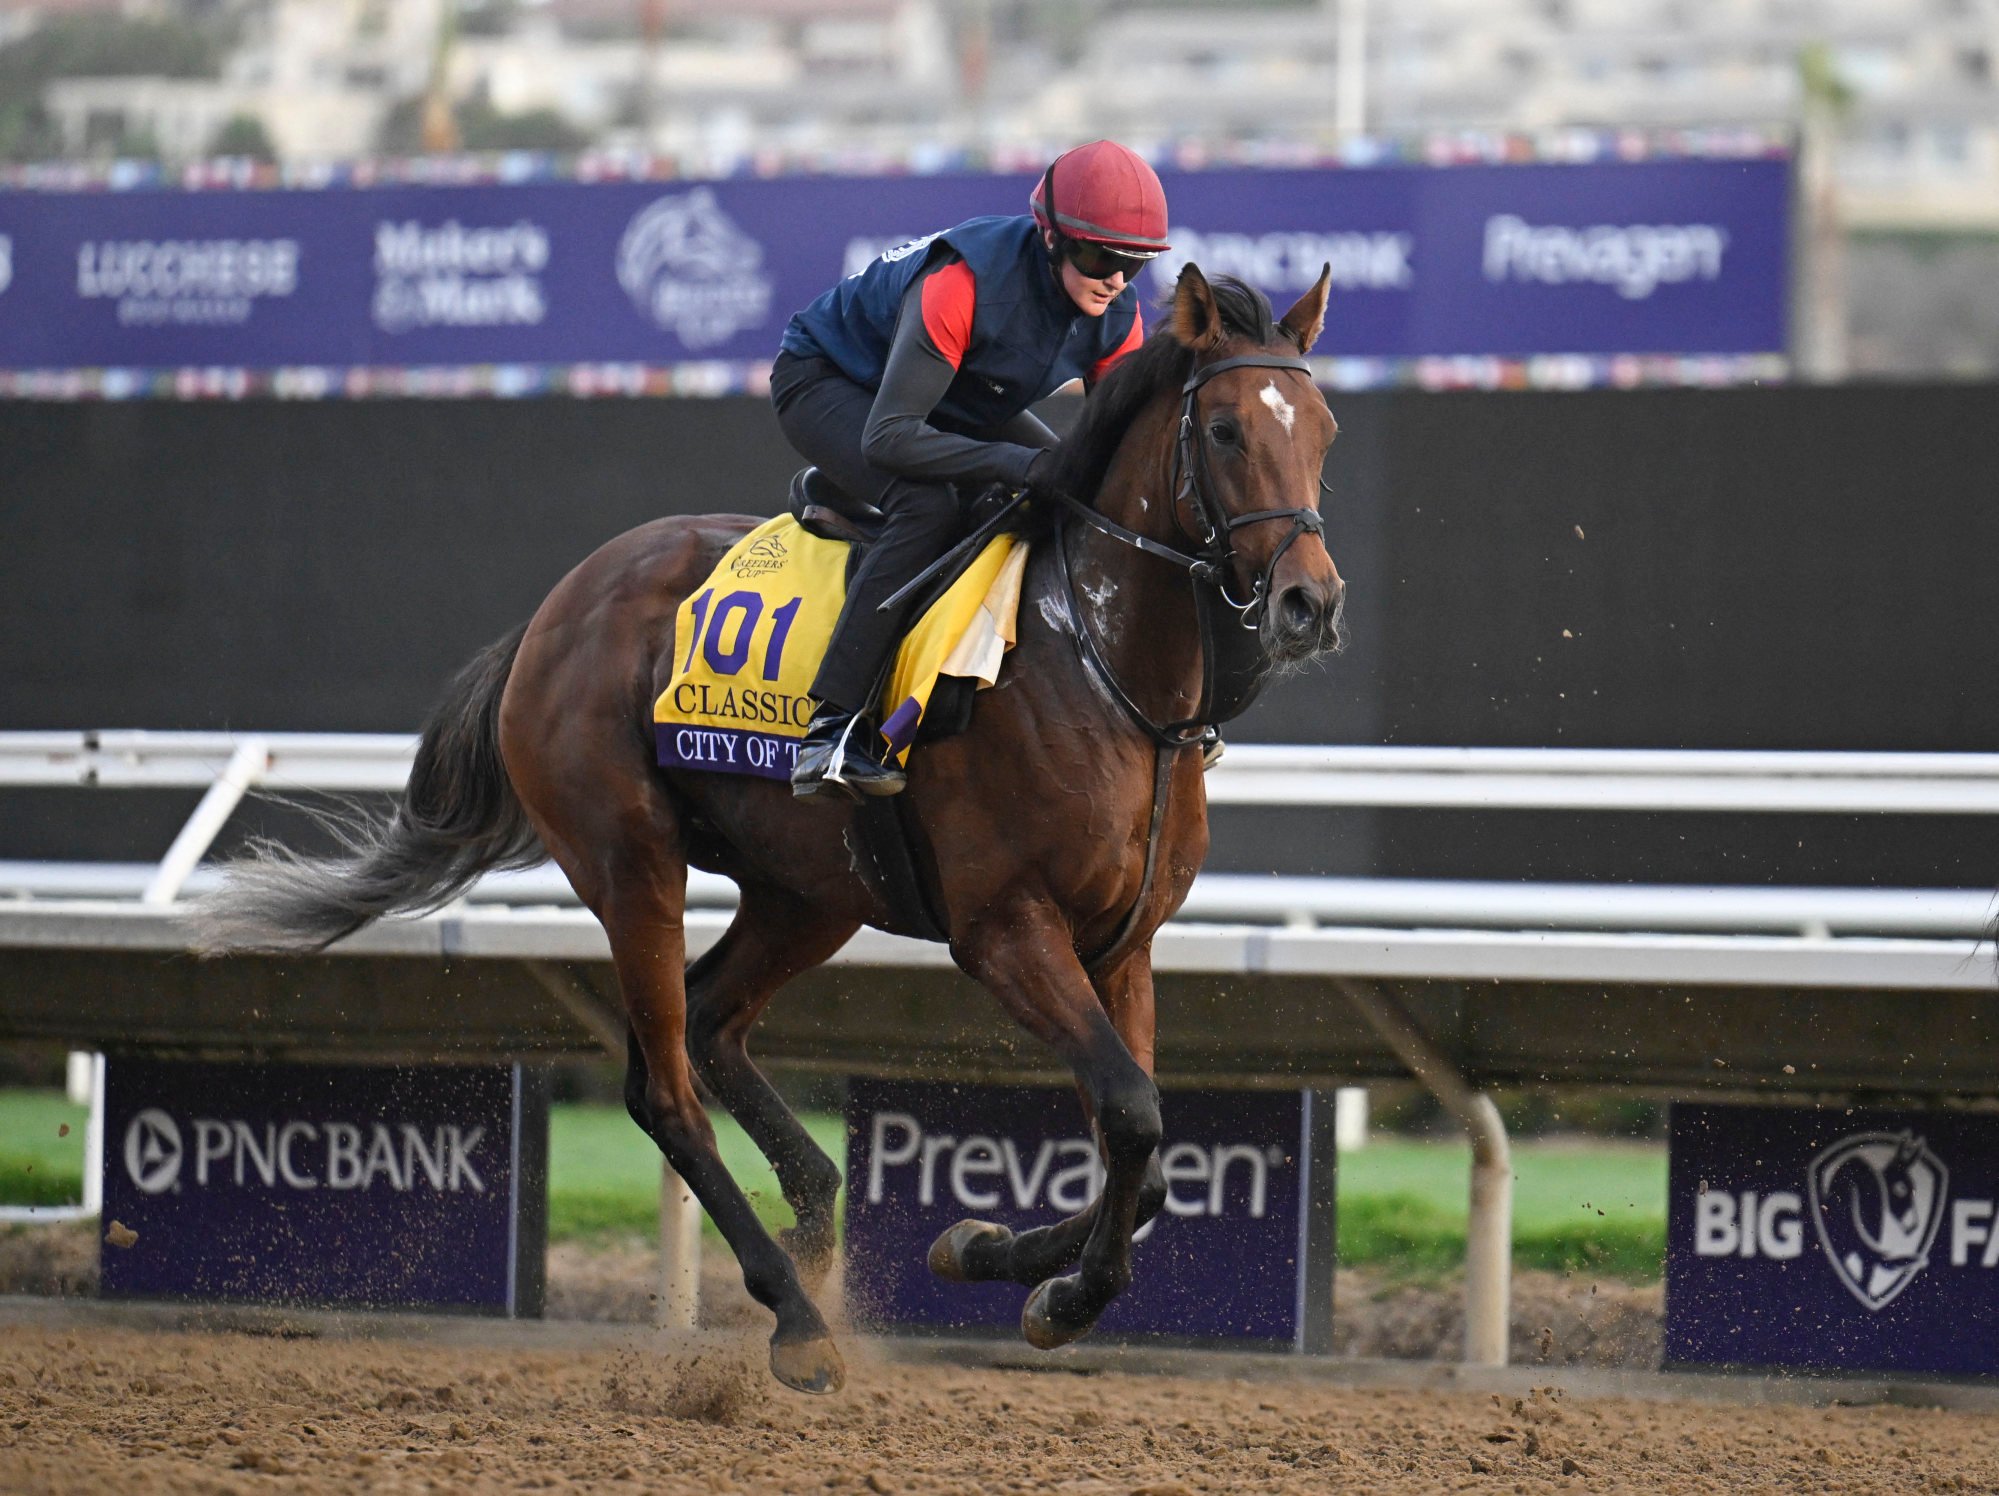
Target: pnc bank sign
326, 1184
299, 1155
1832, 1238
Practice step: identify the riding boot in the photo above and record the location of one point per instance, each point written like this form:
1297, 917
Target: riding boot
844, 753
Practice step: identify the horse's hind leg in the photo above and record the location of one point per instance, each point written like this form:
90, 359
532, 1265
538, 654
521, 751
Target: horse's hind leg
774, 937
641, 906
1029, 964
982, 1252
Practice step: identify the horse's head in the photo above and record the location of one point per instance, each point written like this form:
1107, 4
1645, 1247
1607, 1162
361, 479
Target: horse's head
1252, 443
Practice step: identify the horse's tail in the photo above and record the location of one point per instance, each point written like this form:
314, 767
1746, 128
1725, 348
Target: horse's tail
458, 818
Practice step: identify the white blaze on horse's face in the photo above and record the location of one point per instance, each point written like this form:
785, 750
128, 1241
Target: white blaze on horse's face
1279, 406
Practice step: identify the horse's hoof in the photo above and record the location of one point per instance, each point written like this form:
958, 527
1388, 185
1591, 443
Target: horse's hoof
808, 1365
1042, 1321
947, 1253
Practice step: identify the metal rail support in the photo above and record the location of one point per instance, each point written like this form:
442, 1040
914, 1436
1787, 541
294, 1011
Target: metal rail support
678, 1302
246, 766
1489, 1230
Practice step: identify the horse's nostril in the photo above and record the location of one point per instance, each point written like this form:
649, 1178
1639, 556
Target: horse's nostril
1301, 613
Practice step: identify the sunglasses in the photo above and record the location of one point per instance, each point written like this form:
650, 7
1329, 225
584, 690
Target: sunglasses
1099, 263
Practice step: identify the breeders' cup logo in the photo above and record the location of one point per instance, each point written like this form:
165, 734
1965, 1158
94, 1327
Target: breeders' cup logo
153, 1151
688, 267
766, 555
1877, 1200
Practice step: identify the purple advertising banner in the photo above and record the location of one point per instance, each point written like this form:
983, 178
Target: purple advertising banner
333, 286
1222, 1260
421, 1187
1833, 1239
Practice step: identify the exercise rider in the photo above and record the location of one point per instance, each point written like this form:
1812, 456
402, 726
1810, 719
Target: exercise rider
909, 383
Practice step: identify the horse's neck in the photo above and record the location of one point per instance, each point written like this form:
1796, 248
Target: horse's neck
1139, 608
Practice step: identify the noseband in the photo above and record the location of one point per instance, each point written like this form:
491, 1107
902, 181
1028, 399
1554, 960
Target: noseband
1206, 564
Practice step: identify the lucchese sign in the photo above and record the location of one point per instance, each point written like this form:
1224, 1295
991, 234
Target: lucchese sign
328, 1184
1220, 1260
1833, 1238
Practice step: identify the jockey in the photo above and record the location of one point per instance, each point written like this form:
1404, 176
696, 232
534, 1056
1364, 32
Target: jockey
909, 384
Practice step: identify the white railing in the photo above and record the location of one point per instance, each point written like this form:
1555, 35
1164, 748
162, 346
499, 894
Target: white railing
228, 766
1335, 928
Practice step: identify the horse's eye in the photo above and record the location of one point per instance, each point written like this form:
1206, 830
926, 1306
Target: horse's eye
1222, 433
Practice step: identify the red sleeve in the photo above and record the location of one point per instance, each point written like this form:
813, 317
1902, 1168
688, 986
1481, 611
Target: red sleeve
949, 294
1131, 341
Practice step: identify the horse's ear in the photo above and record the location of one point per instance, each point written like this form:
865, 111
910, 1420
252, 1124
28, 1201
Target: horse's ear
1197, 322
1307, 319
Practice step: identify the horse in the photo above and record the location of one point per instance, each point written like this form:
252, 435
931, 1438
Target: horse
1059, 829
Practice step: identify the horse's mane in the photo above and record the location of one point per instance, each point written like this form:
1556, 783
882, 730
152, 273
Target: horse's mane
1162, 361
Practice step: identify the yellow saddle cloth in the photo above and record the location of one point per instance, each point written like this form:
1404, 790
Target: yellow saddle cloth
751, 637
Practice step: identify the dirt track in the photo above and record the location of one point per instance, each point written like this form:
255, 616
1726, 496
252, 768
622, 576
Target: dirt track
122, 1411
128, 1412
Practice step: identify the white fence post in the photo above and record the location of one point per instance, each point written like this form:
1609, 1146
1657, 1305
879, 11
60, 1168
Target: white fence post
679, 1252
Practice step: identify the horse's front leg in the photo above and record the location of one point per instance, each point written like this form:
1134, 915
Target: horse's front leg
1029, 964
984, 1252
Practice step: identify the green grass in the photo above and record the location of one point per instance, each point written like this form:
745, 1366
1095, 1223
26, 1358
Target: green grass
1592, 1206
603, 1173
38, 1165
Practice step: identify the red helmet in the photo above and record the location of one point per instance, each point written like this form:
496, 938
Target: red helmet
1104, 193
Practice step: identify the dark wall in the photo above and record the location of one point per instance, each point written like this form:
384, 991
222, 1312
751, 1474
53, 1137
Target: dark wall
1803, 568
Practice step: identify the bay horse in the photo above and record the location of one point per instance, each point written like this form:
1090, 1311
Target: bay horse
1058, 831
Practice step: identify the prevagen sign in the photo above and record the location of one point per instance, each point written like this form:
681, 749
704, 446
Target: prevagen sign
1833, 1239
1226, 1258
326, 1184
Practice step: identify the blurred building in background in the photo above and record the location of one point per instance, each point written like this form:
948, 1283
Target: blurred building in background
1896, 101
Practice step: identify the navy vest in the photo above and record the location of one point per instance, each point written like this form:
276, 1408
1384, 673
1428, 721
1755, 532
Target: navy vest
1028, 338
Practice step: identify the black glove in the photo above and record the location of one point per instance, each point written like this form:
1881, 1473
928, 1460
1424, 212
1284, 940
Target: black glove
1041, 471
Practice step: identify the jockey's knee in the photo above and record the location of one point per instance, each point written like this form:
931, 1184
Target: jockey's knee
919, 505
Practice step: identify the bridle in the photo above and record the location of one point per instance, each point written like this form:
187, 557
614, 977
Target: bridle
1227, 685
1206, 563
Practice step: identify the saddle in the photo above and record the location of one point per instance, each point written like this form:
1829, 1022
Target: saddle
827, 510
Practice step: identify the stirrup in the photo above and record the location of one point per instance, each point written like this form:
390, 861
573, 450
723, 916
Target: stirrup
840, 765
1212, 747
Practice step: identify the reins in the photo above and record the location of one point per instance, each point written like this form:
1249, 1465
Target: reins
1222, 696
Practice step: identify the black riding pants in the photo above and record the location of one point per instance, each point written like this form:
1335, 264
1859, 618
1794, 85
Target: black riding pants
823, 414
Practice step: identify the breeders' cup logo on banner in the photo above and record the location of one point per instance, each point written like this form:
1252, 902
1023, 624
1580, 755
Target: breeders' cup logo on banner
1634, 261
186, 282
1877, 1200
688, 267
448, 275
300, 1155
